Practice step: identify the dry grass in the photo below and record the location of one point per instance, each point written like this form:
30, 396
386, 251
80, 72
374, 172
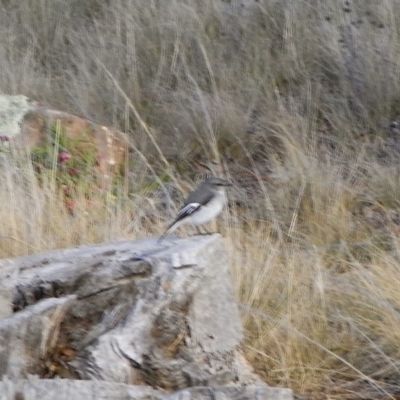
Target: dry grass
288, 99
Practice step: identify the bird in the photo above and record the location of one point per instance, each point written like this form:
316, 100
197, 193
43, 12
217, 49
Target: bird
201, 206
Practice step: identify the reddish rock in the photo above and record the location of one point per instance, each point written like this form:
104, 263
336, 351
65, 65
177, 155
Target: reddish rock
40, 126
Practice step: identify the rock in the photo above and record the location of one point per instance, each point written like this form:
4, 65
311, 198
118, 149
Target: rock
12, 111
29, 337
132, 312
138, 305
29, 125
45, 389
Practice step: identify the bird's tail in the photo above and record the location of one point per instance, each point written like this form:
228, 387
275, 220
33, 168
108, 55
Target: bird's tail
171, 227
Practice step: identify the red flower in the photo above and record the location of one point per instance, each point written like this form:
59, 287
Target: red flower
63, 157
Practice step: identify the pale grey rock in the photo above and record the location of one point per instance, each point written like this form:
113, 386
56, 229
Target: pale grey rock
12, 112
126, 312
138, 316
232, 393
27, 338
65, 389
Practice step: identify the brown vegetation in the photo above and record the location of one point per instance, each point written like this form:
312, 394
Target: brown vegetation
290, 99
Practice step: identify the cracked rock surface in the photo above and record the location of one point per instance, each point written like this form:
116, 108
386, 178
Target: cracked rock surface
126, 312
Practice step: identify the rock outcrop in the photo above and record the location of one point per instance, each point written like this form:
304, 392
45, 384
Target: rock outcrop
34, 389
160, 318
31, 126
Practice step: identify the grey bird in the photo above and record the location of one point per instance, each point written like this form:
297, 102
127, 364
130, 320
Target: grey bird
202, 205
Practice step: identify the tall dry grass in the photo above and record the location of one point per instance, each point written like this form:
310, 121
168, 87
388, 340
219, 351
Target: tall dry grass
289, 99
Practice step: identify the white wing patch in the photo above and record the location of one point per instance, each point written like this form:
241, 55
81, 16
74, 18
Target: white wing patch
188, 210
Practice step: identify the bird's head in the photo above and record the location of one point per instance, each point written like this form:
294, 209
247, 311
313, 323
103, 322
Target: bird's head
217, 183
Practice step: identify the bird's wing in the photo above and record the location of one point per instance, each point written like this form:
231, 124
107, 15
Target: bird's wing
184, 212
197, 199
187, 210
202, 196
